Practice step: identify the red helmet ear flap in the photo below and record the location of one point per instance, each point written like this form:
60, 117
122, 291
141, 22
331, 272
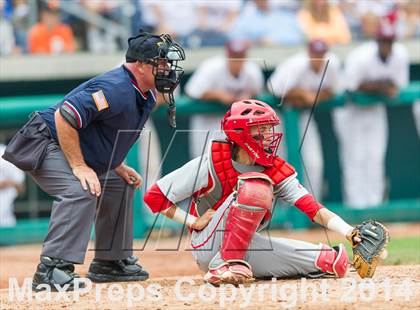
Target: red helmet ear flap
224, 119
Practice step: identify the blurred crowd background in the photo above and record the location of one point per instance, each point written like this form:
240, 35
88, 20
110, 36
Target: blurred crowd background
103, 26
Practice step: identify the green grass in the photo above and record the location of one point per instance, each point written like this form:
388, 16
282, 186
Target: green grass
401, 251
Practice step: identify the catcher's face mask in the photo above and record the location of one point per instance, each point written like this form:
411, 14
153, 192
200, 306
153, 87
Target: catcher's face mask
163, 54
250, 124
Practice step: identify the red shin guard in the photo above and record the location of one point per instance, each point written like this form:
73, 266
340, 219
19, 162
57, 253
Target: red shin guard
333, 262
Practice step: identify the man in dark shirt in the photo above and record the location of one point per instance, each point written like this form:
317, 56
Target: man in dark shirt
91, 131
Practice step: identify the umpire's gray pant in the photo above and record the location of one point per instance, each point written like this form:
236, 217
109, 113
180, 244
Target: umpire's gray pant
74, 210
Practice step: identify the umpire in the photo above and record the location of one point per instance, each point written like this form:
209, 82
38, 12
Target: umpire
75, 152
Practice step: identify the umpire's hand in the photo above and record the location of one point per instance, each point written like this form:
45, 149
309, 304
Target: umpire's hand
87, 177
130, 175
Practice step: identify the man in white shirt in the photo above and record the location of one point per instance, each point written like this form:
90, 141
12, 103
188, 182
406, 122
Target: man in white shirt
380, 68
297, 81
11, 184
226, 80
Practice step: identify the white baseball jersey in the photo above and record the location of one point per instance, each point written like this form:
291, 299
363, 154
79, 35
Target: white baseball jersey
296, 71
213, 74
363, 64
7, 195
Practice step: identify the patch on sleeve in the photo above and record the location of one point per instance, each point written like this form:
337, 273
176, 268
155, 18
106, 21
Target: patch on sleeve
100, 100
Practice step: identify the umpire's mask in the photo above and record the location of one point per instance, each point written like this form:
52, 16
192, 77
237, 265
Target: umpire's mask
163, 53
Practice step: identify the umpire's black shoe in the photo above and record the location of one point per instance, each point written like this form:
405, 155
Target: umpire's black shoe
57, 273
116, 270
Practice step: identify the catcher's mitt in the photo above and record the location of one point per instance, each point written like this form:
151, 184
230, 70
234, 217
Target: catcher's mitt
366, 253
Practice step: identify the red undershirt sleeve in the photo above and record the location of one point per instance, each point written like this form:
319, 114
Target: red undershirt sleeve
308, 205
156, 200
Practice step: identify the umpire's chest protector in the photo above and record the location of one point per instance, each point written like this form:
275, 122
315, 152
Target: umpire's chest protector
223, 176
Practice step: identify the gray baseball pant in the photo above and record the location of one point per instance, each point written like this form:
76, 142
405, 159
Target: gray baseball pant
75, 210
268, 256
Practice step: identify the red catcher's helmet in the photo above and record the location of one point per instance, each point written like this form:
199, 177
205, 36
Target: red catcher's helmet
237, 123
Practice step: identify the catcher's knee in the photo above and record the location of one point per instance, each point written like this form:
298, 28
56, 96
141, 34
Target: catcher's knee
333, 260
254, 190
252, 204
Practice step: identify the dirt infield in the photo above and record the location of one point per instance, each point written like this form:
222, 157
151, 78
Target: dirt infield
393, 286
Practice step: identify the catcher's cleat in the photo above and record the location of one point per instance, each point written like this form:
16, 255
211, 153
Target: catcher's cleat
215, 276
318, 274
116, 270
58, 274
233, 272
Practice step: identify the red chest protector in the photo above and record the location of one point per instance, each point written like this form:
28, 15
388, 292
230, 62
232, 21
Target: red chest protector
223, 176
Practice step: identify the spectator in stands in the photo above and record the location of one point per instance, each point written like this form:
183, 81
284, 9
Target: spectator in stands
288, 5
11, 184
408, 20
370, 12
50, 36
214, 20
379, 68
176, 17
7, 38
140, 18
380, 8
148, 18
6, 8
21, 23
225, 80
352, 17
296, 81
321, 20
100, 40
258, 23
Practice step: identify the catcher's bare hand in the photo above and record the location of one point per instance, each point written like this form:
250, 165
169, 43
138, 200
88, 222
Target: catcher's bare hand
201, 222
130, 175
88, 177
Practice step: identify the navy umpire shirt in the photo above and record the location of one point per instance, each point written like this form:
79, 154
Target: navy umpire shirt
111, 110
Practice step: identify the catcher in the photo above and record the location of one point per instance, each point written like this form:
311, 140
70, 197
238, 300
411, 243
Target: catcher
229, 195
